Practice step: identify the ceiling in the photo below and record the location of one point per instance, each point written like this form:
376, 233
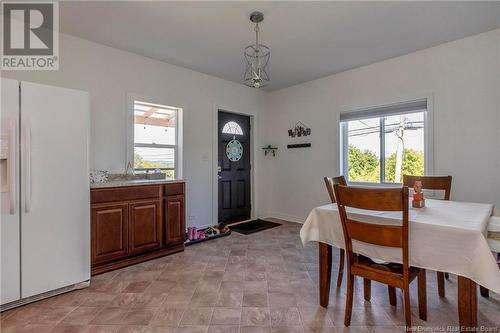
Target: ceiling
308, 40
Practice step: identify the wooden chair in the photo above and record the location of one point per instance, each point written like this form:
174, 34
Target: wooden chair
329, 182
396, 236
442, 183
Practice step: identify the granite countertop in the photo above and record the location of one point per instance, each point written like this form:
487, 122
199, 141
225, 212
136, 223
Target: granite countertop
135, 182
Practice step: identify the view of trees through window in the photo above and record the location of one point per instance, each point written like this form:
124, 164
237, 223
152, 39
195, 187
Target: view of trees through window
155, 138
166, 167
400, 138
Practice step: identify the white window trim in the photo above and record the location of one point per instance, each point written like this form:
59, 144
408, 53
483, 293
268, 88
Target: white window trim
178, 147
428, 141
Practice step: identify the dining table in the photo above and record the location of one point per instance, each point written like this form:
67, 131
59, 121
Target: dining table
445, 236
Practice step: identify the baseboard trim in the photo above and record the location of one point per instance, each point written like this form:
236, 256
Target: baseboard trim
111, 266
285, 217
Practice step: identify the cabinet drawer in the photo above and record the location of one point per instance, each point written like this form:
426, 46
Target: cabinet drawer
125, 193
173, 189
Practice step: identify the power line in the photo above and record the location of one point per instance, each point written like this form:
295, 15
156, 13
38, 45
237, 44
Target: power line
389, 128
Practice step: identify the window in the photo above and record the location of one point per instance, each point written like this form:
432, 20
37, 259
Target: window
232, 128
381, 144
155, 138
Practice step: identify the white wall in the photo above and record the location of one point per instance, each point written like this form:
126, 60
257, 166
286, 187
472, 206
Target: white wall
463, 77
109, 75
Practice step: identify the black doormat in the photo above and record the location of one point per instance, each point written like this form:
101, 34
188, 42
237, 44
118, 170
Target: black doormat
250, 227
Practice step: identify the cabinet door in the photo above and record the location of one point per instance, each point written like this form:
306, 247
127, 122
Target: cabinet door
174, 219
109, 232
144, 226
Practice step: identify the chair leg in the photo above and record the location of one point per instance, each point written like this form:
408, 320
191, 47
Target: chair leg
440, 282
392, 296
367, 285
422, 295
484, 291
348, 301
407, 306
341, 268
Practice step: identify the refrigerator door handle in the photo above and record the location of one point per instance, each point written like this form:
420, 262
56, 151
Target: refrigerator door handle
27, 168
12, 168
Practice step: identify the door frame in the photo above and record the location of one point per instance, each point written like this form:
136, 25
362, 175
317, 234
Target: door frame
215, 159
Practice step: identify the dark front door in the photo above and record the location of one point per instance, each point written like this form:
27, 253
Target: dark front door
234, 167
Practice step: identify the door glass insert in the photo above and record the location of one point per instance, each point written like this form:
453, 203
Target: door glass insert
232, 127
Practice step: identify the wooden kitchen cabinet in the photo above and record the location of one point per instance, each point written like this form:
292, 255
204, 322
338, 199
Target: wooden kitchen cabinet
132, 224
109, 232
145, 226
174, 219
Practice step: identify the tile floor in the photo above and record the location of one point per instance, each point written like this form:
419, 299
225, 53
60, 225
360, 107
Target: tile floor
265, 282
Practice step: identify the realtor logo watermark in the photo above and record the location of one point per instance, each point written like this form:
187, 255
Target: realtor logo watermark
30, 35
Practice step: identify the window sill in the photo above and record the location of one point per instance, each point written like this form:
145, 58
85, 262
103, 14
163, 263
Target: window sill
366, 184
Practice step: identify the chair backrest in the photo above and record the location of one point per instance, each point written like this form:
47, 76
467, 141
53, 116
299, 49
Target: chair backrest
442, 183
376, 199
330, 181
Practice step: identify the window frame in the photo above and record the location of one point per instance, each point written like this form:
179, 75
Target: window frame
428, 141
131, 144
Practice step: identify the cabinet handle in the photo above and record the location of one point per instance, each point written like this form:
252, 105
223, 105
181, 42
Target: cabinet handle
11, 168
27, 161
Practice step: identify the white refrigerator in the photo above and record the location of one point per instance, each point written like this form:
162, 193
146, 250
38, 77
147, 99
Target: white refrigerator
44, 188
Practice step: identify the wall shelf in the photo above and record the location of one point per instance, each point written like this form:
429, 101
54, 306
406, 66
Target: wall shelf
300, 145
270, 149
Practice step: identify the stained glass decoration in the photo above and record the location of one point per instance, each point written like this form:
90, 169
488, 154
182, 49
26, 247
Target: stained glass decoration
232, 128
234, 150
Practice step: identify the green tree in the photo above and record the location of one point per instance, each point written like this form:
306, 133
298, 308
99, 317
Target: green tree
138, 161
413, 164
364, 166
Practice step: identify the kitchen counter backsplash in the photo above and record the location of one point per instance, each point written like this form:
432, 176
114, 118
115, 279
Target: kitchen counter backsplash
99, 176
104, 179
135, 182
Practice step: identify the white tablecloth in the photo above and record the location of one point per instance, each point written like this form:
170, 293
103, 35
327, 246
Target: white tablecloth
494, 233
445, 236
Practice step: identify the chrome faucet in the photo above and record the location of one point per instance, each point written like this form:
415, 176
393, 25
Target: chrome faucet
129, 167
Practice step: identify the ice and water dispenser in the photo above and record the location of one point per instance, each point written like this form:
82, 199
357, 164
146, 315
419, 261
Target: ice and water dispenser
4, 161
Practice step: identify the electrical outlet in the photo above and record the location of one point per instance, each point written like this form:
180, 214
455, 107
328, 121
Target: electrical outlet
192, 217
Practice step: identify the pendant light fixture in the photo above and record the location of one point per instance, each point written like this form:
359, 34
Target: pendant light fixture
256, 58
